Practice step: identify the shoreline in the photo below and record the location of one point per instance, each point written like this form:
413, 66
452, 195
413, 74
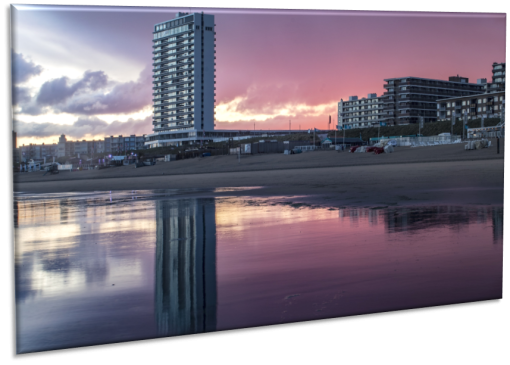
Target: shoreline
455, 182
261, 170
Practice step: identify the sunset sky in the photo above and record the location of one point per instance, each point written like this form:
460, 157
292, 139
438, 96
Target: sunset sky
86, 71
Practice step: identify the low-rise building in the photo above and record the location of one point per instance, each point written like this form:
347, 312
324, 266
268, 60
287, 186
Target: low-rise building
488, 105
122, 144
37, 151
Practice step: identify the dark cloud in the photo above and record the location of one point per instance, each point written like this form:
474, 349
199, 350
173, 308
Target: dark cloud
93, 94
20, 95
124, 98
59, 90
84, 127
23, 69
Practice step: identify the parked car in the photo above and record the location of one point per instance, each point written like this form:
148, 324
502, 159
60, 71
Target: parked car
378, 150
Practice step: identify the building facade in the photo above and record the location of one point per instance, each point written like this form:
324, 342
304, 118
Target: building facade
37, 151
365, 113
121, 144
498, 78
408, 98
183, 79
488, 105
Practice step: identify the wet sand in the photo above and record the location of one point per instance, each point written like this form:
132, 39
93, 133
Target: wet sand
478, 181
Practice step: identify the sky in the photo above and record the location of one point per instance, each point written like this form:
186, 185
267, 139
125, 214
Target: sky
85, 71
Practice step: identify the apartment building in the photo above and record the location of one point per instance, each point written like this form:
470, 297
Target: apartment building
364, 113
64, 148
487, 105
498, 78
121, 144
183, 79
37, 151
408, 98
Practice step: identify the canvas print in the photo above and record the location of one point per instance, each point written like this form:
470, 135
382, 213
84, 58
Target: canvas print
185, 170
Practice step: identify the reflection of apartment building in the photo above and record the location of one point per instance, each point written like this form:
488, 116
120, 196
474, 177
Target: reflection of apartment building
497, 224
185, 266
489, 105
408, 98
364, 113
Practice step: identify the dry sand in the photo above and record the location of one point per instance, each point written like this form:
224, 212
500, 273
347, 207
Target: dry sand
410, 176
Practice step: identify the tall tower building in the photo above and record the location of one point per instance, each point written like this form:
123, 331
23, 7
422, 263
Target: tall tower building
183, 79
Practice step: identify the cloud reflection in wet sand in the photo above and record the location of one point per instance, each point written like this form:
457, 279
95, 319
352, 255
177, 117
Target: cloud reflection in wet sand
91, 270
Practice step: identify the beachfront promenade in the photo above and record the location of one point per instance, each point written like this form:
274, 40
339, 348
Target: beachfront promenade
443, 174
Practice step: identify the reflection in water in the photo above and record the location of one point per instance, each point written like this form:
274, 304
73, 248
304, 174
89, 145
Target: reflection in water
185, 266
15, 211
410, 219
91, 270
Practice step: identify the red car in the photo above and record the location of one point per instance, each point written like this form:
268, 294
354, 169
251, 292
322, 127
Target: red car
378, 150
353, 148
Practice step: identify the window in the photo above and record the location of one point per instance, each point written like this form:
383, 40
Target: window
495, 98
479, 109
479, 101
448, 105
495, 107
463, 102
484, 108
485, 100
448, 112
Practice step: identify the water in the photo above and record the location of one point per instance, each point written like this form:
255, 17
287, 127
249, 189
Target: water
100, 268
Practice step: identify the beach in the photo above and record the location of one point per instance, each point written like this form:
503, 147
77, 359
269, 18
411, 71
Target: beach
444, 174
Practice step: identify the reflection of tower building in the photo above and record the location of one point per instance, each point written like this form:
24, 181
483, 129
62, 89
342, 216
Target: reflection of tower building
16, 213
64, 210
185, 266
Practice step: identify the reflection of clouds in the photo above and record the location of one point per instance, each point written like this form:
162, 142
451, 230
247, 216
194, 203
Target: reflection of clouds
186, 266
71, 244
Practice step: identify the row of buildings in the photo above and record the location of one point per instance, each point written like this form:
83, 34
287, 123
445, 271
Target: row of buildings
65, 148
184, 91
408, 99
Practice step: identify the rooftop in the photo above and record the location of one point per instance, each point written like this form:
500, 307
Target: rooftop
422, 78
